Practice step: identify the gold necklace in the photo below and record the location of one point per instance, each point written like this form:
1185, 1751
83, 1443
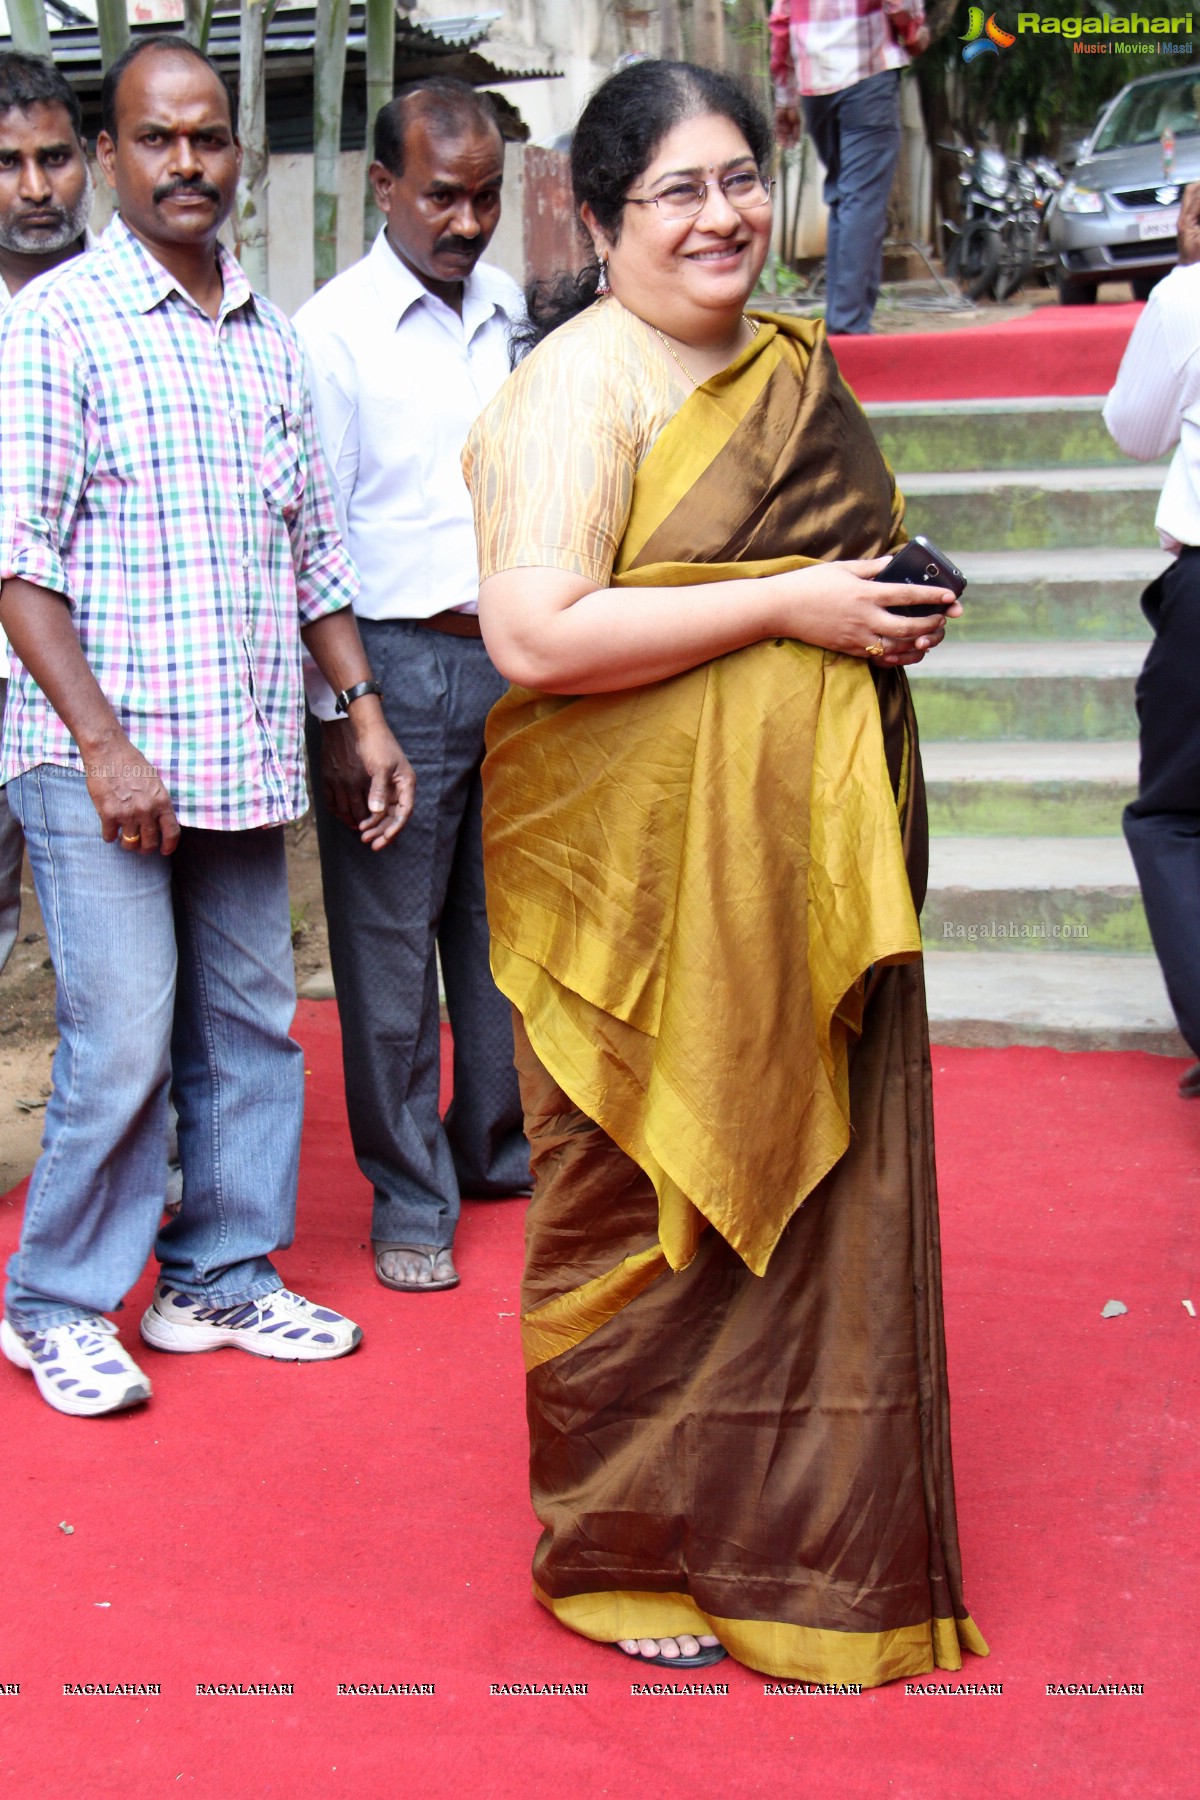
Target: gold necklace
678, 361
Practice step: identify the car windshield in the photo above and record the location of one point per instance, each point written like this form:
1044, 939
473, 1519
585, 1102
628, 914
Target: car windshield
1143, 113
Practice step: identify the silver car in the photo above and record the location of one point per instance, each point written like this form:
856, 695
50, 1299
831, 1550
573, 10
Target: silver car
1115, 219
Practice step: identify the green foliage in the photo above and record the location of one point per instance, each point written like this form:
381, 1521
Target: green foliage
1041, 80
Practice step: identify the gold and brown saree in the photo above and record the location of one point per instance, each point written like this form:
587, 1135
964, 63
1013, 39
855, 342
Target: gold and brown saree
703, 898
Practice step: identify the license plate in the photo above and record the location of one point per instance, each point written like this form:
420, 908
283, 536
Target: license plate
1160, 224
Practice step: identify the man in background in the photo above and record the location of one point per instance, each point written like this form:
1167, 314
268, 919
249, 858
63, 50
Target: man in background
840, 60
1156, 404
45, 200
405, 350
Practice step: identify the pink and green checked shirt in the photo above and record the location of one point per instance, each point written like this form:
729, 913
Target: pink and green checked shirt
162, 471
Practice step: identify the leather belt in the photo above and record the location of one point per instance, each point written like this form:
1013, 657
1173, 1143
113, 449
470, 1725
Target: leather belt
454, 624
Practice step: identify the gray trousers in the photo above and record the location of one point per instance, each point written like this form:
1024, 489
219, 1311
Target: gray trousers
387, 912
12, 851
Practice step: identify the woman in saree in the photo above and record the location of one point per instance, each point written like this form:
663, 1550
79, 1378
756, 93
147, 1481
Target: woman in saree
704, 842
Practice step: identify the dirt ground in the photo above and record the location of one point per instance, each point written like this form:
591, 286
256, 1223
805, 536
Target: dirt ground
27, 1030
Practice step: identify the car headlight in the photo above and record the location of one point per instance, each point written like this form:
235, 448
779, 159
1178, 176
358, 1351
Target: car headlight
1076, 199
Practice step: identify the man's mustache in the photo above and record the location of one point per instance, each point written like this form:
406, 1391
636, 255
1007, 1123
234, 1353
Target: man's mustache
203, 188
458, 246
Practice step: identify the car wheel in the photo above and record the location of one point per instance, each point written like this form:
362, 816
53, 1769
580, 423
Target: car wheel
1144, 285
1072, 293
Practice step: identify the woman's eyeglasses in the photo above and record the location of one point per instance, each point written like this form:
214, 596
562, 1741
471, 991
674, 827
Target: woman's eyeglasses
744, 189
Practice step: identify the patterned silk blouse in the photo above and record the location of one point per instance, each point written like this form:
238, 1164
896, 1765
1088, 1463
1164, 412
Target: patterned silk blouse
580, 413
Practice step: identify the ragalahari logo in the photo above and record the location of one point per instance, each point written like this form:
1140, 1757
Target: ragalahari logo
984, 39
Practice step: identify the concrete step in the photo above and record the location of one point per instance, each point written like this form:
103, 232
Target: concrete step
1021, 594
994, 434
1060, 998
974, 691
1033, 894
1050, 788
1028, 509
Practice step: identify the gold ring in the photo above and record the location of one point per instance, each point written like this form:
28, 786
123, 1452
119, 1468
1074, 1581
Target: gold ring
135, 839
875, 649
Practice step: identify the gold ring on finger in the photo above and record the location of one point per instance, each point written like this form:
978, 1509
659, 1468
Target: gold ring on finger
135, 839
875, 649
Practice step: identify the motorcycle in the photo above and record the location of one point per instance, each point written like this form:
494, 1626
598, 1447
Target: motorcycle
998, 242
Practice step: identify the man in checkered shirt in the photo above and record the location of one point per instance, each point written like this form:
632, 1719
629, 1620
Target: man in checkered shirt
841, 61
167, 536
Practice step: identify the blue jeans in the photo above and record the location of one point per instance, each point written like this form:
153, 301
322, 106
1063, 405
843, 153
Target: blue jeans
857, 134
173, 973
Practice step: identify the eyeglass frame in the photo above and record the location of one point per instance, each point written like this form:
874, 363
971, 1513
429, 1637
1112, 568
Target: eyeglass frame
768, 183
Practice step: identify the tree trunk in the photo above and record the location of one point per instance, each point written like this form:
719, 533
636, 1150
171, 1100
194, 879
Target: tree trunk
250, 212
381, 82
27, 24
708, 33
329, 71
114, 30
197, 22
670, 31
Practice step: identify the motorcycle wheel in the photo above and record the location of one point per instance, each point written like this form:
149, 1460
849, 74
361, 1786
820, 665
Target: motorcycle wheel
977, 260
1017, 250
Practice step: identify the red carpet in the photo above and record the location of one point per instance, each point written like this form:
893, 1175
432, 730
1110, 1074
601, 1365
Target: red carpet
1056, 350
367, 1521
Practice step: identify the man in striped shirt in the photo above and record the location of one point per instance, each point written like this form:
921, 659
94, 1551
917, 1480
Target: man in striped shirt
167, 535
841, 61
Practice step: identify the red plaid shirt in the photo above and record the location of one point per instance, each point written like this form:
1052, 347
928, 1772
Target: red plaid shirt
823, 46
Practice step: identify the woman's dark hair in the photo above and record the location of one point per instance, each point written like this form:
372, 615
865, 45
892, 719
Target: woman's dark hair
618, 132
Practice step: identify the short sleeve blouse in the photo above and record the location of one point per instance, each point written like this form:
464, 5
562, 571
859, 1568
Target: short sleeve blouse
551, 462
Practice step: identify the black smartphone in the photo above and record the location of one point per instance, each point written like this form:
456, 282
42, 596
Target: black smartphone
923, 565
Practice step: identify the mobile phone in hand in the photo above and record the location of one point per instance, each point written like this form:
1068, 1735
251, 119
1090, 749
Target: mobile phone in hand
923, 565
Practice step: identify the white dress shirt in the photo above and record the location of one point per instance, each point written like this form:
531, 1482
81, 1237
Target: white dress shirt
1156, 400
398, 378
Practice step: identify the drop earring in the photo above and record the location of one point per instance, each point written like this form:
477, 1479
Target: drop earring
602, 287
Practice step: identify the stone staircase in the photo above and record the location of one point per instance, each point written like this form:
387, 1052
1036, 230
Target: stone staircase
1033, 925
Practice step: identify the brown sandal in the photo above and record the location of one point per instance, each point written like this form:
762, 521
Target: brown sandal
442, 1272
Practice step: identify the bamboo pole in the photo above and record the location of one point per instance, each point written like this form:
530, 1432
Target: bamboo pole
250, 208
197, 22
670, 31
113, 21
708, 33
329, 70
381, 82
27, 24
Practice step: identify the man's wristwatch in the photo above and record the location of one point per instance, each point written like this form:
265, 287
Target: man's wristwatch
345, 700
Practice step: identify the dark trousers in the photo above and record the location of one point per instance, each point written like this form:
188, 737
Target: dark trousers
1162, 826
387, 913
857, 134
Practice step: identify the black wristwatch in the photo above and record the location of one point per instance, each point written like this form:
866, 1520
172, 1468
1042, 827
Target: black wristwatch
345, 700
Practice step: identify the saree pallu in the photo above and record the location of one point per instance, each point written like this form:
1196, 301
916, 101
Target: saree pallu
701, 896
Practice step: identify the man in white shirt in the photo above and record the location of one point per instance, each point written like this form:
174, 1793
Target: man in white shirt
1156, 403
45, 199
406, 349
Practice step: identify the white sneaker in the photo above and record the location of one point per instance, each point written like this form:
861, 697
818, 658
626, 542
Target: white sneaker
81, 1368
282, 1325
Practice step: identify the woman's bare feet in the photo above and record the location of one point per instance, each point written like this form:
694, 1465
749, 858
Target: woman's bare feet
669, 1648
